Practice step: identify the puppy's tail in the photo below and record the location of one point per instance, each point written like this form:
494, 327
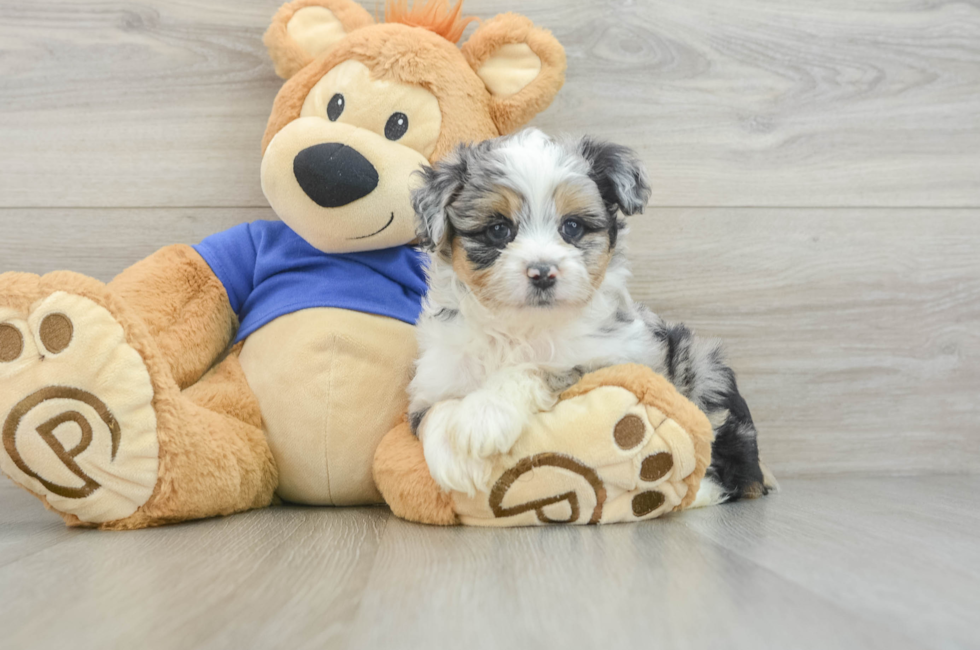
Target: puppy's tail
711, 493
768, 479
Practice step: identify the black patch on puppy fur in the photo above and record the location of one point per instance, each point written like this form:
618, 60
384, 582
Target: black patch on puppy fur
734, 452
415, 420
441, 185
481, 254
447, 204
619, 175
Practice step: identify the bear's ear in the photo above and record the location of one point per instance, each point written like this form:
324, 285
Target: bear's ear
304, 29
522, 66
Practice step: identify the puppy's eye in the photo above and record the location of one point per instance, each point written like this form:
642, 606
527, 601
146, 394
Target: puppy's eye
396, 126
335, 107
572, 230
499, 234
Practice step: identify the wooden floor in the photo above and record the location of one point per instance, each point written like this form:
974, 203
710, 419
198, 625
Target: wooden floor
826, 564
816, 173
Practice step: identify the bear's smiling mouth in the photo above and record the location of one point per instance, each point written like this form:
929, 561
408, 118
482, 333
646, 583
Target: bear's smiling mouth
376, 232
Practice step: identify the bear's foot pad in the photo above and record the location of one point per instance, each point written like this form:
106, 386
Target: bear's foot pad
76, 408
601, 457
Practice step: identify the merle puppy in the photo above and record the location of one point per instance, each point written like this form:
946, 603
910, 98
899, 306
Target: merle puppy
527, 291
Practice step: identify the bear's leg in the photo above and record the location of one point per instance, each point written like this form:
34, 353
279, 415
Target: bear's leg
403, 478
183, 306
92, 419
218, 462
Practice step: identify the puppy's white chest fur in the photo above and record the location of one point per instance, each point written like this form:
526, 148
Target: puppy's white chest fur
462, 345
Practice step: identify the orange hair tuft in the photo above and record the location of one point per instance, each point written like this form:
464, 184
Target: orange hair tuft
434, 15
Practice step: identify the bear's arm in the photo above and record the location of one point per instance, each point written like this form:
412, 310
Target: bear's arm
232, 255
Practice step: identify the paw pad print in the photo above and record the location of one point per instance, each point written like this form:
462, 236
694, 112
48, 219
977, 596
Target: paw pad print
653, 468
77, 421
56, 332
629, 433
11, 343
604, 459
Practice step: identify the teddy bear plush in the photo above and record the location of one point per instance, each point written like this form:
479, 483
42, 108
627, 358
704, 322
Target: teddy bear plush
270, 359
621, 445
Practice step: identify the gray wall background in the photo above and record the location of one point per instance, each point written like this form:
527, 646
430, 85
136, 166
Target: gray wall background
816, 171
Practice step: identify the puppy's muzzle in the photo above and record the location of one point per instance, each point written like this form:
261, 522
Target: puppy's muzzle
542, 276
334, 174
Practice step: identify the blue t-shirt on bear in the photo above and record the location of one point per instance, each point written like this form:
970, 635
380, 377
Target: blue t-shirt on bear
270, 271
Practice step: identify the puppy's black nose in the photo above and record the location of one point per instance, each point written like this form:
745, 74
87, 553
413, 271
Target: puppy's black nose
542, 276
333, 174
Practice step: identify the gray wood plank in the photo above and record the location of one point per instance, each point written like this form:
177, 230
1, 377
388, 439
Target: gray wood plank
855, 333
265, 579
102, 242
826, 563
657, 585
25, 526
788, 103
162, 103
133, 104
886, 550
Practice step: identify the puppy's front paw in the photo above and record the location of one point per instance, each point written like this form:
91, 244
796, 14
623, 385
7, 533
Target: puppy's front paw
452, 469
559, 382
486, 425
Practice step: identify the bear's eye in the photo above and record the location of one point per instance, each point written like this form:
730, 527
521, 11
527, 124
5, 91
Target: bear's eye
335, 107
397, 126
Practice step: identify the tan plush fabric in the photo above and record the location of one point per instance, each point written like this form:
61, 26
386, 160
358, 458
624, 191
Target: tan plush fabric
371, 102
403, 478
511, 110
342, 230
656, 391
216, 463
207, 463
312, 34
469, 112
65, 400
331, 383
510, 70
183, 306
394, 52
622, 445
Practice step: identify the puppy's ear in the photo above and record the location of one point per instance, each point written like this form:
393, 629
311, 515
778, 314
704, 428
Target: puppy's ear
441, 184
617, 170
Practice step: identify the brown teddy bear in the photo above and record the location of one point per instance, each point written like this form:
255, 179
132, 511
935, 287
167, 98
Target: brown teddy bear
272, 358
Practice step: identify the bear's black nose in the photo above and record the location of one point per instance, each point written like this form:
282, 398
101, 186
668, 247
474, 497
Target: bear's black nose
333, 174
